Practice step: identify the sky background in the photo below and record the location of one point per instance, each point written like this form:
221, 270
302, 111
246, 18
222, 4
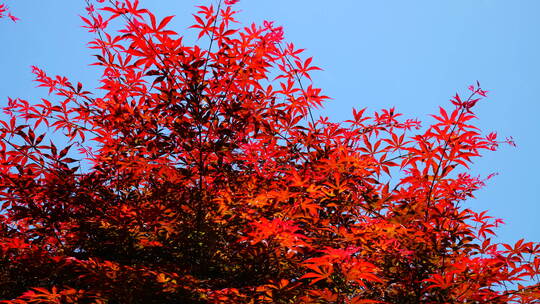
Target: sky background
413, 55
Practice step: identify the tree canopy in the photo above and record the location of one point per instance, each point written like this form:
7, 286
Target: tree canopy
198, 174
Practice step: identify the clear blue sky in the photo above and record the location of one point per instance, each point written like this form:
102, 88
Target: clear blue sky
380, 53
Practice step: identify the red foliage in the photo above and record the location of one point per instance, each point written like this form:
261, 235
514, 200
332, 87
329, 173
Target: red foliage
198, 175
4, 12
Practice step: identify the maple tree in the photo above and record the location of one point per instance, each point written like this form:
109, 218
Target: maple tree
198, 174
